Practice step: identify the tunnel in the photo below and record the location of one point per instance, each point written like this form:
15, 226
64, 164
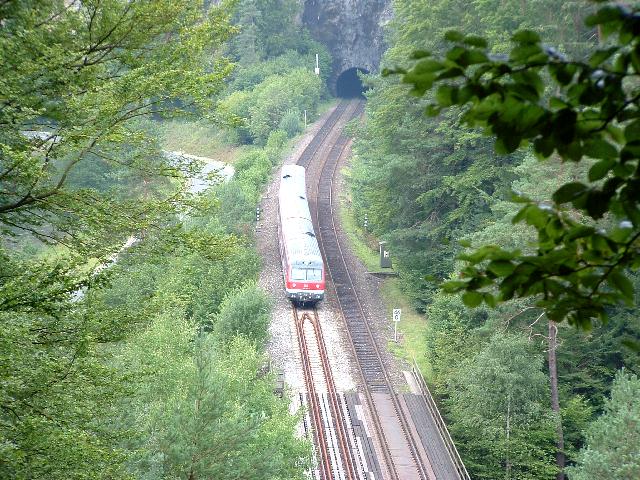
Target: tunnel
349, 84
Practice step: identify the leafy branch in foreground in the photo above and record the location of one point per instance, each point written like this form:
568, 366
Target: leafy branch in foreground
588, 233
75, 79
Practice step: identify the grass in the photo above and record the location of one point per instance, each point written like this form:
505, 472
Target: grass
360, 241
205, 140
326, 105
412, 326
196, 138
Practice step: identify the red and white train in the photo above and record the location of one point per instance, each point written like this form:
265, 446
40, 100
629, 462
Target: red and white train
302, 264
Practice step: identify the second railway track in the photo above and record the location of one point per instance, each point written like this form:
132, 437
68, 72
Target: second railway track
368, 355
399, 446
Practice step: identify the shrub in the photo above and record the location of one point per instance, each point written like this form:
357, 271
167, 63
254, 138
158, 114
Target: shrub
291, 123
244, 312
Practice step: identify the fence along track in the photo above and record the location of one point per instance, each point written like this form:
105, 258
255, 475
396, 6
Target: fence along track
441, 426
375, 375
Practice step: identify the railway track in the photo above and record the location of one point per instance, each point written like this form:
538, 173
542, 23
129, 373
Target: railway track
401, 449
317, 141
375, 376
330, 431
369, 358
340, 455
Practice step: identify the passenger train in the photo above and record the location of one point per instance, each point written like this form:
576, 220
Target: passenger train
302, 264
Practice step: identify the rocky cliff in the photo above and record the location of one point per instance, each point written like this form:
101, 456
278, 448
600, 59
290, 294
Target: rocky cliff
351, 29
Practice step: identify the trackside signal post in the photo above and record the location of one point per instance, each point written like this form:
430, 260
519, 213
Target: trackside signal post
396, 319
385, 256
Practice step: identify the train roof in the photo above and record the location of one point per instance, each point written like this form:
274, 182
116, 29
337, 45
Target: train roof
294, 208
292, 197
292, 180
295, 217
302, 248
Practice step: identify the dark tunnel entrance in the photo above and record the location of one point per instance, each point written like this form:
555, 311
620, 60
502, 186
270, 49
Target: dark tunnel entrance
349, 84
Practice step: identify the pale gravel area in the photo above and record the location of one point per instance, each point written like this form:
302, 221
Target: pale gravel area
283, 345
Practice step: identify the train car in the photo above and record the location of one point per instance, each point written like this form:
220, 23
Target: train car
302, 265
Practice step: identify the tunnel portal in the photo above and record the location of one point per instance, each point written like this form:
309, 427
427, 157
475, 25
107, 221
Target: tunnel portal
349, 85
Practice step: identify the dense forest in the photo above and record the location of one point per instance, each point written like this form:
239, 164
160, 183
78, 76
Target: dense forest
133, 334
150, 367
524, 392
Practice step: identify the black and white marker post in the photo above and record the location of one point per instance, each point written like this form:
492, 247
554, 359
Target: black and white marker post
396, 319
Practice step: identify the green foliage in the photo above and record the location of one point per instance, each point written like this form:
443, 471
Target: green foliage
104, 374
261, 110
245, 77
199, 138
273, 98
247, 42
448, 336
275, 145
291, 123
53, 383
81, 80
428, 182
588, 362
244, 312
268, 29
236, 212
498, 401
253, 169
613, 439
278, 79
201, 411
578, 267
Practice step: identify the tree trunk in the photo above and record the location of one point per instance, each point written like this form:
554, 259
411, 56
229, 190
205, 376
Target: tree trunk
555, 401
508, 466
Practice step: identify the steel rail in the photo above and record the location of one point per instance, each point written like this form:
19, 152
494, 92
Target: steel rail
332, 162
386, 451
344, 108
338, 419
316, 413
320, 136
326, 472
347, 452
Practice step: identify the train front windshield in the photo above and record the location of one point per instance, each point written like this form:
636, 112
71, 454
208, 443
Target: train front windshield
306, 274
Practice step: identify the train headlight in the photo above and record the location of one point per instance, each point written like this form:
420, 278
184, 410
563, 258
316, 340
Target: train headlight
317, 285
293, 284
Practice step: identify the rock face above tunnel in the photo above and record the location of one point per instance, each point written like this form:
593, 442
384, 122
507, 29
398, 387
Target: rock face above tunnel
351, 30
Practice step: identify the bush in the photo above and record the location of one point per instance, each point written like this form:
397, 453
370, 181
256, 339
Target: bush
245, 312
276, 95
275, 144
236, 210
235, 110
253, 170
256, 113
291, 123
